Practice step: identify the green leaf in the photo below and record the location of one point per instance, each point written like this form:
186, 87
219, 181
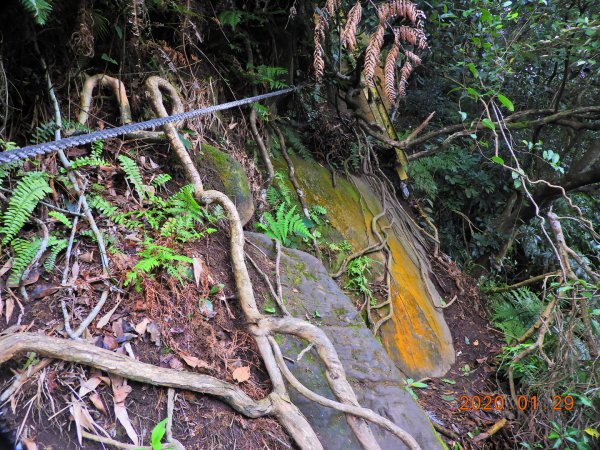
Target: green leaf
269, 309
506, 102
463, 115
39, 9
448, 398
498, 160
448, 381
107, 58
158, 433
488, 124
473, 93
420, 385
473, 70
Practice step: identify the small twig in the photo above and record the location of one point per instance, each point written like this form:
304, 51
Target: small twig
306, 349
275, 295
492, 430
445, 431
22, 378
448, 305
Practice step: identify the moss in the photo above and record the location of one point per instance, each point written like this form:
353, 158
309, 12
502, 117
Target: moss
230, 171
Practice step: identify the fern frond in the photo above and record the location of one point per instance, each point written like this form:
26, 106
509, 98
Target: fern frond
55, 246
414, 36
161, 179
30, 190
372, 54
405, 72
24, 252
295, 143
92, 161
407, 9
348, 36
132, 171
61, 218
389, 71
39, 9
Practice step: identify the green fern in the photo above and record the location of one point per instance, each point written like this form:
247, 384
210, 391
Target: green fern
154, 257
7, 168
24, 252
61, 218
30, 190
279, 192
161, 179
55, 246
284, 224
91, 161
295, 143
39, 9
515, 311
132, 171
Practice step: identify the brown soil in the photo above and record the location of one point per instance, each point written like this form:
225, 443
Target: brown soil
451, 401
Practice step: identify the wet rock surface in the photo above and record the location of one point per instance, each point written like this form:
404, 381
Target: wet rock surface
309, 292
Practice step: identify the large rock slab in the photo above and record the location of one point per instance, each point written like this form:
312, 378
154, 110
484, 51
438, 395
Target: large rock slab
417, 337
231, 177
309, 291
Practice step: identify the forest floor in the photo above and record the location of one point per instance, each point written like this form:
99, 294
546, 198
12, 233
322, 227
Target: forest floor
194, 326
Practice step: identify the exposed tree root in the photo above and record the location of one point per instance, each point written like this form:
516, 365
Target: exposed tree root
365, 413
14, 344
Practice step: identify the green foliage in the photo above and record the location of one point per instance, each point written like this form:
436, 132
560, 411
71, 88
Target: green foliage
515, 311
39, 10
295, 143
30, 190
132, 171
61, 218
7, 168
287, 222
358, 273
55, 246
279, 192
158, 432
24, 252
269, 75
161, 179
154, 257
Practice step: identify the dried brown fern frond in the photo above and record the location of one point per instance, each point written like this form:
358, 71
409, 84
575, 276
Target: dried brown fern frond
405, 72
331, 7
348, 36
407, 9
372, 54
414, 36
413, 58
389, 71
319, 38
383, 12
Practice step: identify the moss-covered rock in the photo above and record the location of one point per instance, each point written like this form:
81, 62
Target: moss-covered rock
232, 179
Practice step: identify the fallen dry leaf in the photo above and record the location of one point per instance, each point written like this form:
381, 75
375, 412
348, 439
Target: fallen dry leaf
87, 257
194, 362
241, 374
10, 306
106, 318
98, 403
140, 328
154, 333
89, 386
29, 444
6, 267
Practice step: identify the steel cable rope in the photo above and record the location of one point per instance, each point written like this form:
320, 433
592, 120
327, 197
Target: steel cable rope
74, 141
